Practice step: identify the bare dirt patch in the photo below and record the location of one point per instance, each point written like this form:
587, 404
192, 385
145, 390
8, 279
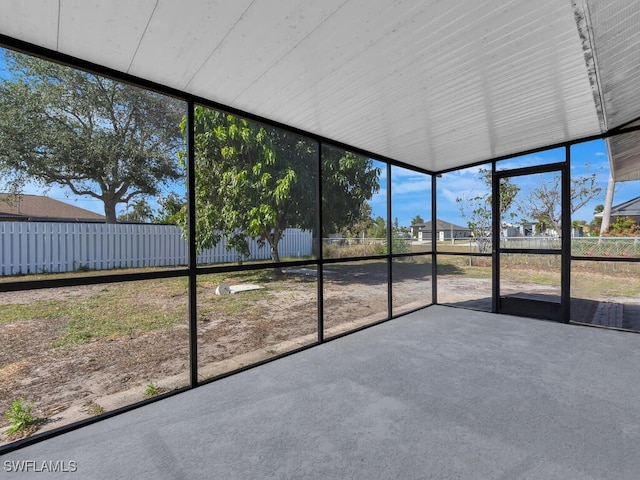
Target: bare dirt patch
74, 381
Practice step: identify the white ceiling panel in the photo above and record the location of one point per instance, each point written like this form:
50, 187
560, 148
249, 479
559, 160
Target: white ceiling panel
624, 151
429, 83
267, 32
182, 36
105, 32
34, 21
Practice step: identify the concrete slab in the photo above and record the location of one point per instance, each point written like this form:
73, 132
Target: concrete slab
441, 393
247, 287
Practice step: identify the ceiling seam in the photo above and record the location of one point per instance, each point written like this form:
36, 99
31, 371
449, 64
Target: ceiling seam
144, 32
347, 60
195, 74
58, 29
290, 50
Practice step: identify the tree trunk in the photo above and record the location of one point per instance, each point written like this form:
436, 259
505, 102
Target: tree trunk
275, 255
110, 212
608, 203
274, 241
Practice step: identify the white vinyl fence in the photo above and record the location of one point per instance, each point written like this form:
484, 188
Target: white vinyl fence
40, 247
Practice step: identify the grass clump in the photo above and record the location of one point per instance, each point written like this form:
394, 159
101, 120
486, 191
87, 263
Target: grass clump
93, 408
19, 416
152, 389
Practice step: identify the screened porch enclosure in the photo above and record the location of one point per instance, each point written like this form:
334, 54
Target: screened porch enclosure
357, 170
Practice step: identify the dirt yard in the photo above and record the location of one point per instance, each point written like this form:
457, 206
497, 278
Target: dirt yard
70, 380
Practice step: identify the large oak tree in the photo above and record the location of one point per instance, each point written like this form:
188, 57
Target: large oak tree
92, 135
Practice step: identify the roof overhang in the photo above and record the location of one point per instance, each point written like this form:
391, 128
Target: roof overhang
432, 84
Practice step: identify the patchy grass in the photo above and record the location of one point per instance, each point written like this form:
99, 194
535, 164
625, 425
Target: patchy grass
130, 309
33, 311
124, 309
80, 271
585, 284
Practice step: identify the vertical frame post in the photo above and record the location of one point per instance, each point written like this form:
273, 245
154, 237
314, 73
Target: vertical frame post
565, 272
495, 239
434, 253
389, 246
320, 256
191, 212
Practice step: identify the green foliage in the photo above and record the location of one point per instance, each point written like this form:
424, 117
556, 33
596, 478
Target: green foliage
348, 182
94, 136
152, 389
624, 226
19, 416
170, 208
400, 245
256, 182
417, 219
378, 229
138, 211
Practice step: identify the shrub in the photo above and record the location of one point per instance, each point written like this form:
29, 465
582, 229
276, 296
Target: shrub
624, 226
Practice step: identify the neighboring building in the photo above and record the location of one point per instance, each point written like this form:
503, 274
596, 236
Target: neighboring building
524, 229
444, 231
37, 208
630, 208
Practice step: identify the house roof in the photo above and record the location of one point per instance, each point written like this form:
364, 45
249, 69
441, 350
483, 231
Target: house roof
39, 208
441, 225
436, 85
630, 208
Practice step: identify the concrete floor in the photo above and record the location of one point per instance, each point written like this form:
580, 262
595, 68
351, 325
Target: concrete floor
443, 393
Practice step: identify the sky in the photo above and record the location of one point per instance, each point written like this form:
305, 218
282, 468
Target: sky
411, 191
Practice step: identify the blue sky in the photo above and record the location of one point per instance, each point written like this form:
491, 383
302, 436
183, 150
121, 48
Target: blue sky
411, 191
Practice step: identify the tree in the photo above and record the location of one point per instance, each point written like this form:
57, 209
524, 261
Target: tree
477, 209
92, 135
170, 208
140, 211
348, 183
596, 223
256, 182
378, 228
544, 204
417, 219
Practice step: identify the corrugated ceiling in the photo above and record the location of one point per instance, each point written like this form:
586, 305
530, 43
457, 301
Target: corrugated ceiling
433, 84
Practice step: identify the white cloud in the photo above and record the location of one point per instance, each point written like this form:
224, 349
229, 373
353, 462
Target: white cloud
420, 185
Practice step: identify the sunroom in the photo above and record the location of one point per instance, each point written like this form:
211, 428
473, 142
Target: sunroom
262, 168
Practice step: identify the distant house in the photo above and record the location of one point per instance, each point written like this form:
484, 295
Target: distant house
37, 208
630, 208
524, 229
444, 231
